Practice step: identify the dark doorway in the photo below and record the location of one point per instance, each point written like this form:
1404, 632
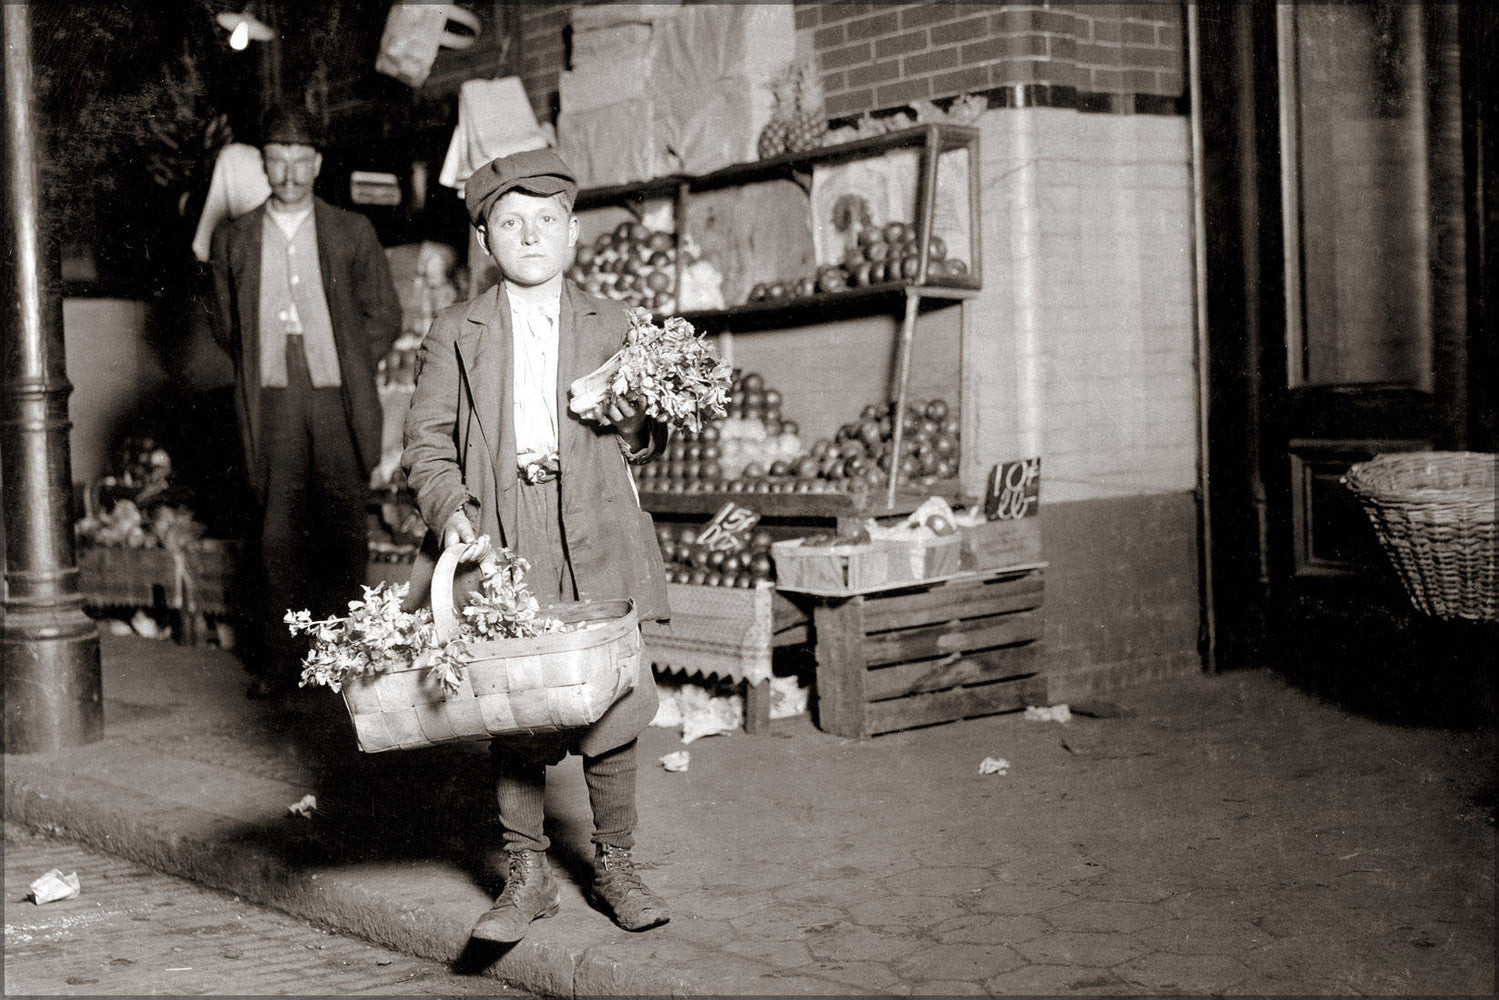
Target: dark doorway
1340, 220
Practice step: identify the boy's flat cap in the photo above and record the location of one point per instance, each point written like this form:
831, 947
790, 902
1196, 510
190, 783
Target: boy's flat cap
534, 171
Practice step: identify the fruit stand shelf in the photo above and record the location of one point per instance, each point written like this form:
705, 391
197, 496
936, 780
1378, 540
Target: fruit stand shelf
931, 140
770, 314
935, 269
811, 505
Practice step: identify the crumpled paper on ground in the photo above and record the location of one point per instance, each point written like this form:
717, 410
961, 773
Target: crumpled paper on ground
303, 807
698, 710
145, 626
1050, 713
54, 886
787, 697
994, 765
677, 760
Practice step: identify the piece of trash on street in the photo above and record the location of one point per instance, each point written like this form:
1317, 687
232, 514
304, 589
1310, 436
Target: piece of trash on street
677, 760
304, 807
54, 886
1051, 713
145, 626
788, 698
994, 765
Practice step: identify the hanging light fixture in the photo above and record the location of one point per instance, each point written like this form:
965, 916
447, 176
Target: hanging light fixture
244, 28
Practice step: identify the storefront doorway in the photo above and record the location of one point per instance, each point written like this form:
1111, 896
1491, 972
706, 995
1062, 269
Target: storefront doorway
1338, 197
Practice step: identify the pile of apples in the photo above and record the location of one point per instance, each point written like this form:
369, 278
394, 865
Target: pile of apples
877, 255
632, 264
860, 455
687, 561
740, 447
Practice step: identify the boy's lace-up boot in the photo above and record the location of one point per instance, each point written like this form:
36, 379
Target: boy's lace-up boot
618, 887
530, 893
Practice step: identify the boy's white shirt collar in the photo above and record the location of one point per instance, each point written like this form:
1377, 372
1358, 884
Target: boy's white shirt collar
534, 321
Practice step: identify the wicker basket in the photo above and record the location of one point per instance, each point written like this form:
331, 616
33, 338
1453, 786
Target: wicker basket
1434, 514
556, 681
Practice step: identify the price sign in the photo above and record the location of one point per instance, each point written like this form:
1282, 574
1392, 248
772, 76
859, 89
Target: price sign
1014, 490
729, 531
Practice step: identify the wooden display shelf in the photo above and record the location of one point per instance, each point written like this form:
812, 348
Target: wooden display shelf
798, 505
933, 652
769, 314
727, 633
932, 139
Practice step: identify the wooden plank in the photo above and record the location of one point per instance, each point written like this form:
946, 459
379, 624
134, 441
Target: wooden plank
757, 707
968, 600
794, 635
907, 586
931, 641
951, 671
784, 613
954, 704
840, 667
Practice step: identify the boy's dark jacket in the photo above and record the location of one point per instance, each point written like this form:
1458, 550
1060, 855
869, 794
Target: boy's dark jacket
460, 452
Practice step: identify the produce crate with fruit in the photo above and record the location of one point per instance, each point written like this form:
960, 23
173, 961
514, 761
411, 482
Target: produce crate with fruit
841, 567
922, 654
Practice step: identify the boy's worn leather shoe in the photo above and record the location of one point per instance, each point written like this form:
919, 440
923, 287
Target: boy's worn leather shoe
530, 893
617, 887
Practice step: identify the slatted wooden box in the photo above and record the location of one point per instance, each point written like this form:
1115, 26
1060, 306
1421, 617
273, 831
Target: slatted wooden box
914, 656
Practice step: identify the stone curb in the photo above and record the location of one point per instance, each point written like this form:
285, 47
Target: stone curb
209, 849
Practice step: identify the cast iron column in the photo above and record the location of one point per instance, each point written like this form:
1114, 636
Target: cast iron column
53, 689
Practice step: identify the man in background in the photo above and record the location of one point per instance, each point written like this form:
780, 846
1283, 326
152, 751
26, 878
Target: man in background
306, 310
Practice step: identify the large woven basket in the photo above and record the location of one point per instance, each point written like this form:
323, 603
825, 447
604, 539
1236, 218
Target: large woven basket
1434, 514
560, 680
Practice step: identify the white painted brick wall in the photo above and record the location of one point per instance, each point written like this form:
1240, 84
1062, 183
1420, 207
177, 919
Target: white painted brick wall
1081, 344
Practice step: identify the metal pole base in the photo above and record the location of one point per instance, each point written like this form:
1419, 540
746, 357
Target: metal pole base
54, 692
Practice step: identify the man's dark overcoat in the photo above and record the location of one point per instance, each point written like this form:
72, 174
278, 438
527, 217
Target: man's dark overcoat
362, 306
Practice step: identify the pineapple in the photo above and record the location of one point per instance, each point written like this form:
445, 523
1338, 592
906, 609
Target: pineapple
796, 119
807, 124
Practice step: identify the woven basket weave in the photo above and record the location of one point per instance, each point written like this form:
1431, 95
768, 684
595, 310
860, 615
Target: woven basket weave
560, 680
1434, 513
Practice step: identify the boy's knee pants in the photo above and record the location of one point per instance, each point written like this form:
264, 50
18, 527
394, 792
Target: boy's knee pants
520, 788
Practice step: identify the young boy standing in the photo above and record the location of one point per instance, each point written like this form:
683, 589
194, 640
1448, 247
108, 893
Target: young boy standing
492, 449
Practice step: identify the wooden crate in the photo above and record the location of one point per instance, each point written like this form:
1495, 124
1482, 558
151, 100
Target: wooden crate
110, 576
997, 544
926, 654
845, 570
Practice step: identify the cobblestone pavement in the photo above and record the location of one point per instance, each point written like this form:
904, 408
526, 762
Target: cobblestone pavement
133, 931
1226, 835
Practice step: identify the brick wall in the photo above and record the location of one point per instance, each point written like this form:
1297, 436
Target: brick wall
541, 53
1121, 593
878, 56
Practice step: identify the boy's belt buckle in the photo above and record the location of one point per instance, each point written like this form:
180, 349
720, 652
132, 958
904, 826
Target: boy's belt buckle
537, 473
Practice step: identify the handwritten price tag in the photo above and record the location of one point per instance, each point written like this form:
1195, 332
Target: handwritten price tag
729, 531
1014, 490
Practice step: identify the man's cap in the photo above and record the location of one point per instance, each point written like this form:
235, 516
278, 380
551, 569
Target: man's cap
290, 125
534, 171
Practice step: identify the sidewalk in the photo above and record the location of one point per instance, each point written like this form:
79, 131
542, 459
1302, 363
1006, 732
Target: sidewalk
1224, 834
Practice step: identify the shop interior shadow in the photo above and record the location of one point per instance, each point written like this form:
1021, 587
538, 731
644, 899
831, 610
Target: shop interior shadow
1363, 645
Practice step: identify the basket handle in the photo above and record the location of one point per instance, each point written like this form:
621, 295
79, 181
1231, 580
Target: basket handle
444, 617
